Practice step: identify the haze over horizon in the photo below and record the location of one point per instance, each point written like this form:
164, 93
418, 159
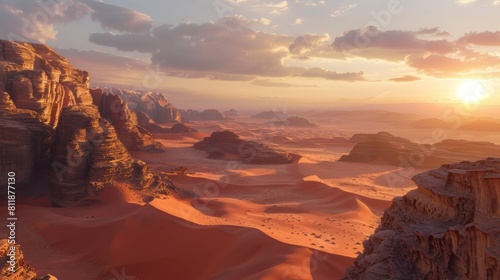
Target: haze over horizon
253, 54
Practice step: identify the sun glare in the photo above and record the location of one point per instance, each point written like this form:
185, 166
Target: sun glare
472, 91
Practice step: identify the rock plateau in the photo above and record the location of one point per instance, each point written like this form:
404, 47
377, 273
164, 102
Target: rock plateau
227, 145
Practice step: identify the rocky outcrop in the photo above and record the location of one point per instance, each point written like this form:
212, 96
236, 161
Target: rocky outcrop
50, 125
40, 80
87, 155
206, 115
116, 111
22, 269
399, 151
24, 142
153, 104
448, 228
181, 128
227, 145
35, 85
231, 113
271, 115
294, 121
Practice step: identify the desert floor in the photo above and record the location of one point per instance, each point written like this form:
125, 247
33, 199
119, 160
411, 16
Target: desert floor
305, 220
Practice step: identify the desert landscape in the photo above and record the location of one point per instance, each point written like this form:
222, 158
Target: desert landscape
158, 141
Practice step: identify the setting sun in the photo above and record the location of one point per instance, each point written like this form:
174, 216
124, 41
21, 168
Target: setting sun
472, 91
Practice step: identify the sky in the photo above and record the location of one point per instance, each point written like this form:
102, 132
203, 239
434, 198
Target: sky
279, 54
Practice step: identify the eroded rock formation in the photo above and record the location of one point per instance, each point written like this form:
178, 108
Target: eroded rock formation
400, 151
181, 128
22, 270
228, 145
448, 228
294, 121
153, 104
206, 115
87, 155
24, 142
39, 79
50, 125
115, 110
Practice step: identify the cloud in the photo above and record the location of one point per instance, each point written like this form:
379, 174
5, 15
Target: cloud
117, 18
269, 83
445, 66
226, 49
331, 75
407, 78
434, 31
35, 20
465, 2
420, 50
481, 38
140, 42
304, 44
391, 45
28, 20
344, 9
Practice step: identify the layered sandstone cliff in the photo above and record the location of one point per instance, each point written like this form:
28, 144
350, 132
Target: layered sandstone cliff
88, 155
39, 79
24, 142
154, 104
35, 85
448, 228
113, 108
50, 126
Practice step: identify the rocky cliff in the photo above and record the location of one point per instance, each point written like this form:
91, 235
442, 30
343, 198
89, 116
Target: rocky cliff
35, 85
448, 228
113, 108
51, 126
154, 104
88, 155
39, 79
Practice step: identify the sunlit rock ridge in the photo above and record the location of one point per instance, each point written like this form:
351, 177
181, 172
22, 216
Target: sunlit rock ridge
448, 228
52, 131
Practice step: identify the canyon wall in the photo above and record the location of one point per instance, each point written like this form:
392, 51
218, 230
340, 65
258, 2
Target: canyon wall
113, 108
154, 104
50, 125
448, 228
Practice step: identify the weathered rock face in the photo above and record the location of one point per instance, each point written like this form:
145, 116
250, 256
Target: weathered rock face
50, 125
448, 228
403, 152
87, 155
39, 79
206, 115
23, 270
115, 110
228, 145
24, 142
153, 104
